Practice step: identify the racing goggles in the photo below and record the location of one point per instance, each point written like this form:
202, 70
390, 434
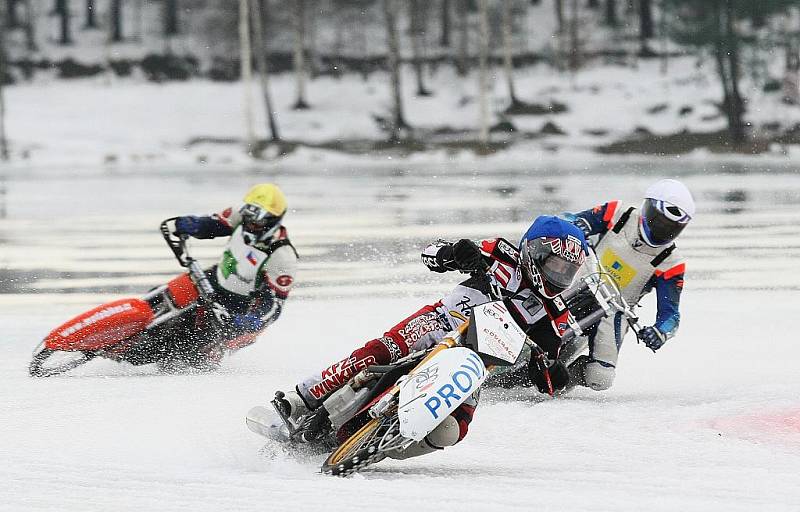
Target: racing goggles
556, 264
662, 222
258, 221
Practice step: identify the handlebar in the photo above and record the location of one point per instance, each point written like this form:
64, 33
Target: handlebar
177, 243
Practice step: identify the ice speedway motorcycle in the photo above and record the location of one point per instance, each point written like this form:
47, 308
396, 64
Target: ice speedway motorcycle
176, 325
389, 407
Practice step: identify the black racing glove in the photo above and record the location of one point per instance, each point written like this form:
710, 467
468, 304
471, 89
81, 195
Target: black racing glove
652, 338
559, 375
467, 256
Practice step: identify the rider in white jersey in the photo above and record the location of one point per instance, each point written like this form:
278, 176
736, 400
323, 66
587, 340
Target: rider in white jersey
257, 269
636, 247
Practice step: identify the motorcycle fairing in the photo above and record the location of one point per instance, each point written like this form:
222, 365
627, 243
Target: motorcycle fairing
436, 389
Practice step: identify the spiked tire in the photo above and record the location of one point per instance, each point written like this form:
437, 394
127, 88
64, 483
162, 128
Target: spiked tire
367, 446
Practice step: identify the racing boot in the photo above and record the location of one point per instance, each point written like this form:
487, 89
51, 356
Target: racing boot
290, 406
282, 421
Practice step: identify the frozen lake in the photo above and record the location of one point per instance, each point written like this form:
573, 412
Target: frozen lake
711, 422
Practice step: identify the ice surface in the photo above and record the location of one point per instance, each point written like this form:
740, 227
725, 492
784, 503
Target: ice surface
710, 422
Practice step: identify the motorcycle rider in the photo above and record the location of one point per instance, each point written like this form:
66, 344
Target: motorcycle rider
257, 269
636, 247
531, 278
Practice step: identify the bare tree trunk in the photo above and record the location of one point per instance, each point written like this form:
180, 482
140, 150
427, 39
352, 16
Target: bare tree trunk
91, 21
398, 121
63, 12
30, 26
11, 18
574, 38
170, 18
138, 21
313, 54
4, 155
645, 27
662, 34
508, 58
300, 54
247, 73
263, 69
720, 52
559, 7
483, 71
736, 104
462, 62
116, 21
611, 13
417, 18
444, 40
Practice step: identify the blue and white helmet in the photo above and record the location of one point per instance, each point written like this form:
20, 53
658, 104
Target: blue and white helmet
551, 252
667, 208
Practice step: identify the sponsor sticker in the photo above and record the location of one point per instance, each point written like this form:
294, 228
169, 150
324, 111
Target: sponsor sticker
619, 269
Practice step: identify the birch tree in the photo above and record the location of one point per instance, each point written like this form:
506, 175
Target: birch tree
508, 57
91, 20
397, 122
300, 54
62, 9
444, 38
418, 15
263, 70
116, 21
247, 73
170, 18
462, 62
3, 140
483, 71
30, 26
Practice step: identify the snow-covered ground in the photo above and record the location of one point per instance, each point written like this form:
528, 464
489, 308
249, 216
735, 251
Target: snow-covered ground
710, 422
129, 122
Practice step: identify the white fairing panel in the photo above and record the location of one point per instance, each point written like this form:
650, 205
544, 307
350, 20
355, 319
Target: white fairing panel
436, 389
498, 334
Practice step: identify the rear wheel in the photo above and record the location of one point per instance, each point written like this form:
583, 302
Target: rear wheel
367, 446
47, 362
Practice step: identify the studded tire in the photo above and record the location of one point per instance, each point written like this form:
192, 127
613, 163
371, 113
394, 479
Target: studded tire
357, 452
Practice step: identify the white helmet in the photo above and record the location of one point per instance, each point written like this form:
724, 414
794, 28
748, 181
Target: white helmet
667, 209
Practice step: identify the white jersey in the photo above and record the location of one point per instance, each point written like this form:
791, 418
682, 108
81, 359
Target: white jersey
244, 268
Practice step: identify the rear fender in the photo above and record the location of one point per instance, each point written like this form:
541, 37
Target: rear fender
102, 326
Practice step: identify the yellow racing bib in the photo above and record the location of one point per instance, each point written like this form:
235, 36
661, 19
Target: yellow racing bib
620, 271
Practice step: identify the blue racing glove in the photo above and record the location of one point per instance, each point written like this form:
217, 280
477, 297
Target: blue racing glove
652, 338
584, 226
188, 225
248, 321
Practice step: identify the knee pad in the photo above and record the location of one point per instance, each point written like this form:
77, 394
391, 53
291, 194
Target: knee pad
446, 434
599, 376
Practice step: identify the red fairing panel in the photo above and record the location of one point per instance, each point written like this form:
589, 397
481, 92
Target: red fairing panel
102, 326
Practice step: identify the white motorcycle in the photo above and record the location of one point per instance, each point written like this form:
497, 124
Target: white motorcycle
387, 408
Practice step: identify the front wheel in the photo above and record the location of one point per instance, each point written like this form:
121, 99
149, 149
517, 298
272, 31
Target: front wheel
47, 362
367, 446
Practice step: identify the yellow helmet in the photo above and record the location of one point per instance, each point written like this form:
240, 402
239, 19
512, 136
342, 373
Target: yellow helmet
262, 212
267, 196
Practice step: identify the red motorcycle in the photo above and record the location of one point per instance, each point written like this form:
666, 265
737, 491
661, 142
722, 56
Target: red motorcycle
178, 326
